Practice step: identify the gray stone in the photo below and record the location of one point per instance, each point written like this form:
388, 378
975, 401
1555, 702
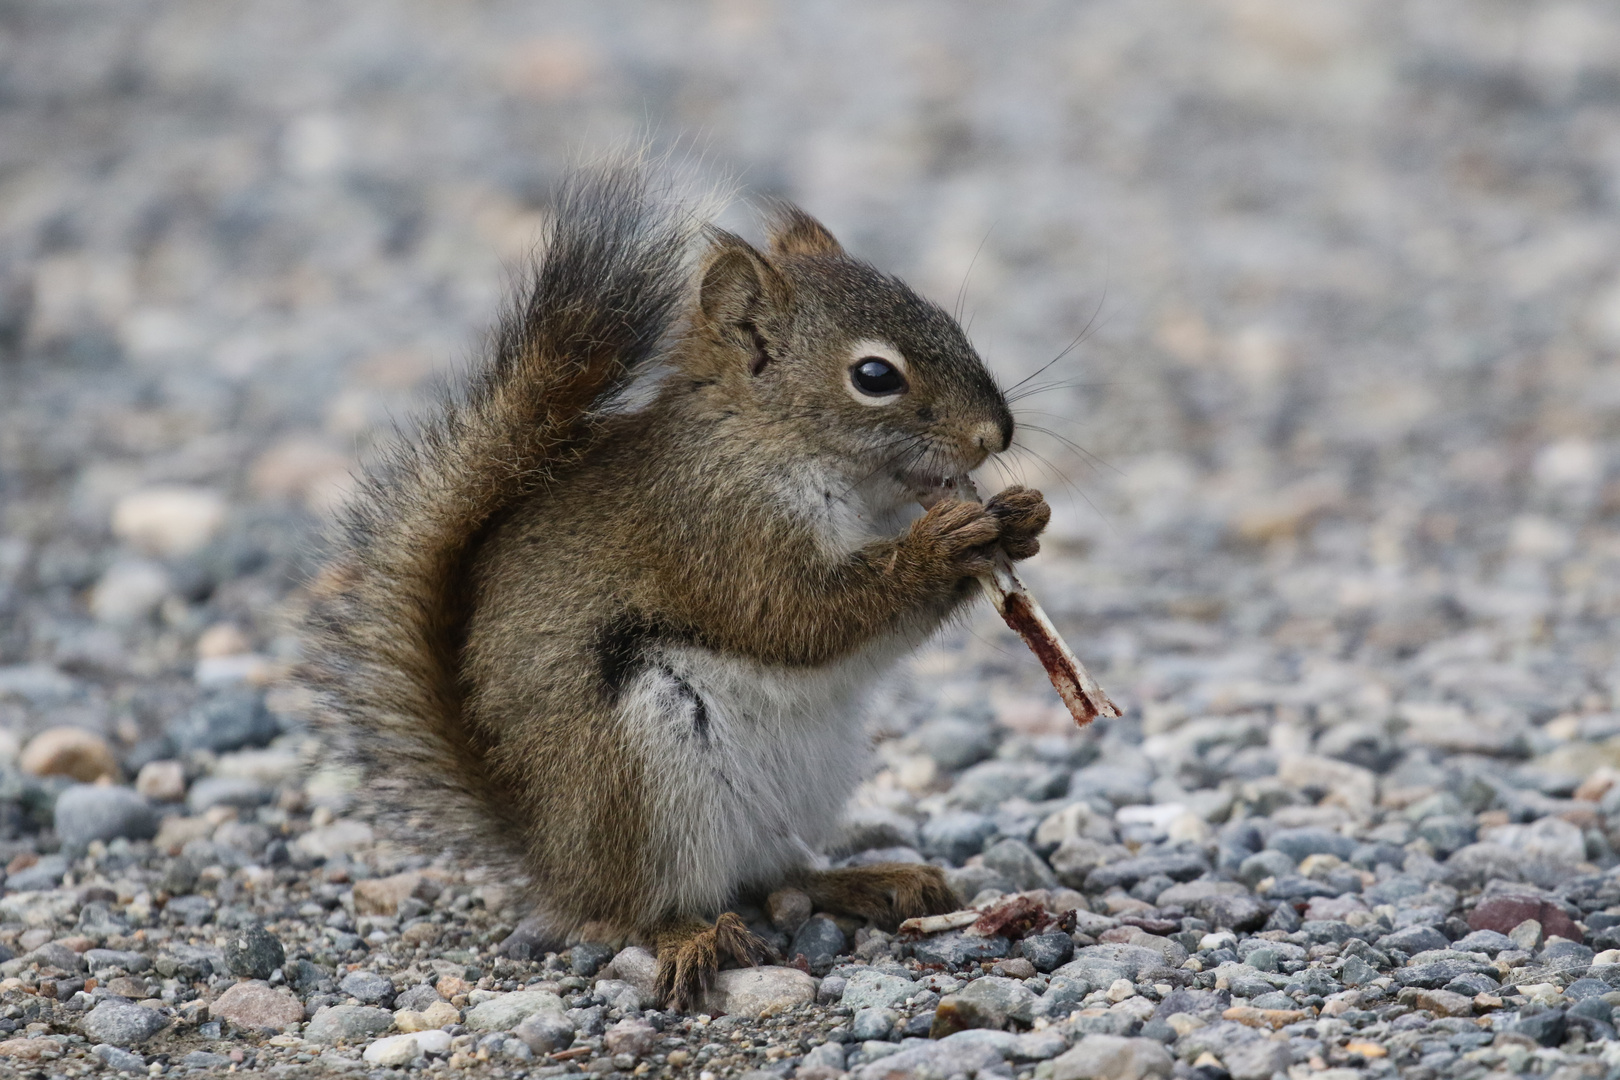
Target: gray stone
1014, 860
866, 988
1230, 911
955, 949
588, 957
509, 1010
417, 998
235, 791
190, 910
119, 1060
989, 1002
1357, 972
1138, 964
819, 941
122, 1023
828, 1055
1256, 1059
956, 835
956, 743
1415, 939
1047, 951
1298, 843
230, 720
1183, 866
1264, 864
47, 873
100, 960
350, 1023
1486, 941
369, 988
253, 952
56, 956
86, 812
873, 1023
545, 1032
989, 784
1447, 832
1111, 1057
203, 1059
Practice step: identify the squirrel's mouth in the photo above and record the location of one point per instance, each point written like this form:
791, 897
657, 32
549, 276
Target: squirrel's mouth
930, 489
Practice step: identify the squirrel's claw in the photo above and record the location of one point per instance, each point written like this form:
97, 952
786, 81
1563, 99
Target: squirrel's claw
691, 953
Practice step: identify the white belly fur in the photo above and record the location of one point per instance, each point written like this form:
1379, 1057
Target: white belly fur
749, 786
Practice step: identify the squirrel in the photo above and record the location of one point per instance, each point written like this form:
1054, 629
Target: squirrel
618, 649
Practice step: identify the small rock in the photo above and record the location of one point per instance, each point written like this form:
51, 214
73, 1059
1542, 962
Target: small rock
129, 592
588, 957
636, 966
368, 987
162, 781
122, 1023
1113, 1057
339, 838
955, 949
68, 751
1047, 951
989, 1002
1546, 1027
819, 941
1014, 860
382, 896
257, 1006
168, 520
865, 988
237, 792
788, 909
1444, 1003
507, 1011
101, 959
1503, 913
956, 835
869, 1024
394, 1051
634, 1037
531, 939
87, 812
750, 992
1256, 1059
546, 1032
1527, 935
253, 952
119, 1060
348, 1023
1298, 843
229, 720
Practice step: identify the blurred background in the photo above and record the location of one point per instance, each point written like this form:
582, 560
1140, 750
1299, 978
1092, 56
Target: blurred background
1333, 457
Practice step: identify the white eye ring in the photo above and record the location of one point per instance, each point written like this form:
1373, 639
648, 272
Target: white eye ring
874, 350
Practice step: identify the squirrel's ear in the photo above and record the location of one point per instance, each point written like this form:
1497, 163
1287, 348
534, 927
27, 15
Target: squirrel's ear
736, 280
794, 232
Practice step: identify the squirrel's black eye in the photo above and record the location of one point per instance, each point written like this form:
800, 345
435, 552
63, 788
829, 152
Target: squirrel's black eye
876, 378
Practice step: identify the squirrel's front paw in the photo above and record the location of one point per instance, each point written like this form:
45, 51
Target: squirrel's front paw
1023, 513
958, 536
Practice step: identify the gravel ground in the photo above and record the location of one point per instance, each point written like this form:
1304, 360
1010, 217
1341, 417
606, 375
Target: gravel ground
1335, 468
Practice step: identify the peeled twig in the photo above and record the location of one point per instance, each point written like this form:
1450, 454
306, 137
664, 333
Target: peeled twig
1085, 699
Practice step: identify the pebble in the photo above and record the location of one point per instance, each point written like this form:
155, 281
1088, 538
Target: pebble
87, 812
1113, 1057
819, 941
545, 1032
382, 896
129, 593
212, 791
368, 987
162, 781
507, 1011
990, 1002
754, 992
168, 520
122, 1023
630, 1036
257, 1006
68, 751
788, 909
119, 1060
228, 720
253, 952
347, 1023
397, 1051
865, 988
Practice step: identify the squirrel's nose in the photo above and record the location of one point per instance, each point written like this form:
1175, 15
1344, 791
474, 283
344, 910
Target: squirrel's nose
991, 437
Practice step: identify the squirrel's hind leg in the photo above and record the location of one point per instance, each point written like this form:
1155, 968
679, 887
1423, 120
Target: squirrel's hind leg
690, 952
884, 893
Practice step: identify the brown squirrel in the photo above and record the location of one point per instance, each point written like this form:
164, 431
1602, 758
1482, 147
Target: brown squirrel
618, 649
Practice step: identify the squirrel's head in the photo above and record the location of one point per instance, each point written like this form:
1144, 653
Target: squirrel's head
841, 359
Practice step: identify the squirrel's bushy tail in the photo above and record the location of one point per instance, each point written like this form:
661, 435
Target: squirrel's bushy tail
603, 292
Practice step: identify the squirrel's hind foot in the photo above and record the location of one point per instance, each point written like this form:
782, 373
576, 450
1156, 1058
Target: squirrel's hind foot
887, 894
691, 952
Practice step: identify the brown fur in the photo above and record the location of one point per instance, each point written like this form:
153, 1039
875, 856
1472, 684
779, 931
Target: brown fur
498, 581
